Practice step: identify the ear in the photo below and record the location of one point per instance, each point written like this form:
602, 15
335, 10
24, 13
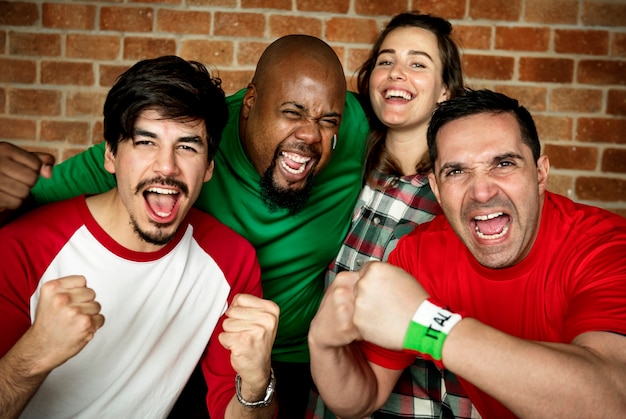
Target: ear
543, 169
445, 94
432, 180
248, 100
109, 160
209, 171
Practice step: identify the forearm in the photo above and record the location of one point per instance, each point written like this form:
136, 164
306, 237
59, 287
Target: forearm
236, 410
344, 379
21, 375
535, 379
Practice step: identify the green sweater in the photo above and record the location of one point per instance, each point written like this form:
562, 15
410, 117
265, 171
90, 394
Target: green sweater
293, 250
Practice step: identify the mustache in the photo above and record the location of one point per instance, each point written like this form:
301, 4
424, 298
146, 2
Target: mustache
165, 181
301, 147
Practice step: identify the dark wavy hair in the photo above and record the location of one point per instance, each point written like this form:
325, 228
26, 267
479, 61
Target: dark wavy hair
377, 156
473, 102
176, 88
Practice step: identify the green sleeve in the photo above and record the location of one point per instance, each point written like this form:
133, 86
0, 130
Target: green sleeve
82, 174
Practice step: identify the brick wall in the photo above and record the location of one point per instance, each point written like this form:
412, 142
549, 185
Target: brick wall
564, 59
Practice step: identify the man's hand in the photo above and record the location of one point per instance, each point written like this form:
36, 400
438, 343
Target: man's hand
249, 331
19, 171
333, 325
386, 299
66, 319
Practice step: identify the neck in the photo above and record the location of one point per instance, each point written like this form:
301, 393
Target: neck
407, 148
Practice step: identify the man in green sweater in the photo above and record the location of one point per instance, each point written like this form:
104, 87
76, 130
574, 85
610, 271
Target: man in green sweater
286, 178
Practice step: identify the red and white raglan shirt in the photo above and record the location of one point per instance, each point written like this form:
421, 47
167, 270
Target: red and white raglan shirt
163, 310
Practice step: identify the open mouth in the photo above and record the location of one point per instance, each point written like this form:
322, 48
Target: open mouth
491, 226
162, 201
398, 94
294, 163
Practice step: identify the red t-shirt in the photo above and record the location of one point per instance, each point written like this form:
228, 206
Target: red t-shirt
573, 281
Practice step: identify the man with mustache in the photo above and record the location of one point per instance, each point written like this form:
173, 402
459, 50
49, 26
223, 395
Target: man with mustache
286, 177
518, 291
174, 284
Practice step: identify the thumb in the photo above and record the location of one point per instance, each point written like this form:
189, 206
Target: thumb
47, 161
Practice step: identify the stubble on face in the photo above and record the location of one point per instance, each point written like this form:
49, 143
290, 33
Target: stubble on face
277, 197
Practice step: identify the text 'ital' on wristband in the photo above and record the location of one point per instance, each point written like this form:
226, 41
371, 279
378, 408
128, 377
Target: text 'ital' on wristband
428, 330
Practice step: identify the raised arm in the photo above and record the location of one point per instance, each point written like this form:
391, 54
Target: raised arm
349, 385
66, 319
584, 378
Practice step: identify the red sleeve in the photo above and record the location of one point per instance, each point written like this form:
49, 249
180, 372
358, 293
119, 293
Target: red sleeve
237, 260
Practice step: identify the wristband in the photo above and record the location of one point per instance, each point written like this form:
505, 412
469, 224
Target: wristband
429, 329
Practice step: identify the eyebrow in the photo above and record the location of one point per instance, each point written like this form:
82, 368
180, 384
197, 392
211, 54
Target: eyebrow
304, 109
494, 160
194, 139
411, 52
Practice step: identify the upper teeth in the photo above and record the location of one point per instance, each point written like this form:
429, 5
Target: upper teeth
163, 191
488, 216
398, 93
296, 157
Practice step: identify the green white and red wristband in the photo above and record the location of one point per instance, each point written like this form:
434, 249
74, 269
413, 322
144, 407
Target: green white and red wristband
429, 329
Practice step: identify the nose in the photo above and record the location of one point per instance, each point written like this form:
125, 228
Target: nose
309, 132
483, 187
165, 162
396, 73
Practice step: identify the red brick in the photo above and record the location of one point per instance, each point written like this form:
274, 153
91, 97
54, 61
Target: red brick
239, 24
248, 53
69, 16
38, 44
551, 70
614, 160
509, 10
600, 189
137, 48
84, 104
94, 47
3, 37
379, 7
235, 80
356, 58
588, 42
568, 99
281, 25
72, 132
126, 19
473, 37
17, 129
553, 11
34, 102
532, 98
64, 72
603, 13
267, 4
110, 73
560, 184
221, 3
172, 2
554, 128
183, 21
488, 67
18, 13
211, 53
326, 6
571, 157
522, 39
3, 100
616, 102
17, 71
449, 9
602, 72
618, 47
601, 130
340, 29
97, 132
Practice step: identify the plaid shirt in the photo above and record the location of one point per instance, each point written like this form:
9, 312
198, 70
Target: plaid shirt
383, 214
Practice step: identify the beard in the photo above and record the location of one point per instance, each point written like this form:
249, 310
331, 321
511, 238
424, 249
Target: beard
276, 197
157, 237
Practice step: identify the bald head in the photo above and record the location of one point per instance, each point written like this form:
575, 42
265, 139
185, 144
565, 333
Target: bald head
298, 54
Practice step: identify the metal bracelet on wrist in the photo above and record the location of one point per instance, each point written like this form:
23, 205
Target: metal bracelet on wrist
269, 392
